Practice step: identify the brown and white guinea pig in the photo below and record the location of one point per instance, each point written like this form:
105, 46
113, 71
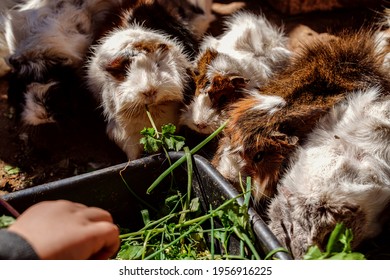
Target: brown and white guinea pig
248, 52
145, 62
260, 141
45, 36
341, 174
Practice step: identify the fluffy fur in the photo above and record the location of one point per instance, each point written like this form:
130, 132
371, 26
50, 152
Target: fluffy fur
319, 77
242, 58
56, 34
341, 174
143, 63
383, 39
5, 6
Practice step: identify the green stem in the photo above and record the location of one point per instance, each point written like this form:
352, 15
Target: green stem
189, 183
183, 158
274, 251
157, 135
151, 121
195, 224
191, 229
212, 235
145, 244
250, 245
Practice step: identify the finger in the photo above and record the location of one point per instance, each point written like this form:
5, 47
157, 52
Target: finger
108, 240
95, 214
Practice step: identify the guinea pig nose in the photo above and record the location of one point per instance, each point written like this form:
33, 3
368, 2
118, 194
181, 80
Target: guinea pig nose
149, 93
201, 125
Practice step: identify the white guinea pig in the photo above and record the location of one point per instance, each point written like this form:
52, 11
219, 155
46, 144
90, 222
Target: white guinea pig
134, 67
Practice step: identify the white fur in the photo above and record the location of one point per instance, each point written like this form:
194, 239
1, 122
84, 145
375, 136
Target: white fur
57, 29
5, 6
383, 47
200, 115
229, 162
249, 47
43, 33
156, 80
346, 161
254, 41
268, 103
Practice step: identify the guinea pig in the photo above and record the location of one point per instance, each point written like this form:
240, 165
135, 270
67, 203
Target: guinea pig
143, 63
319, 77
61, 99
233, 65
44, 36
5, 6
340, 175
198, 14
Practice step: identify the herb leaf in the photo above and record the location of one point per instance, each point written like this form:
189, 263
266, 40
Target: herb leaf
338, 247
6, 221
153, 141
149, 140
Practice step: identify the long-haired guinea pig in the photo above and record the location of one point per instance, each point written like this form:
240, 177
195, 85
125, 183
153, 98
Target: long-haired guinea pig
232, 65
340, 175
5, 6
61, 99
260, 141
139, 65
44, 36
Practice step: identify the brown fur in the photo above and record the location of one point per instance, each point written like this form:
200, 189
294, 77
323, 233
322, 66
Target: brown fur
223, 90
317, 79
201, 69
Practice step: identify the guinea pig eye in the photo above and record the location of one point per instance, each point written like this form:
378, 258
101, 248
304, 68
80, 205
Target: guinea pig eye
259, 157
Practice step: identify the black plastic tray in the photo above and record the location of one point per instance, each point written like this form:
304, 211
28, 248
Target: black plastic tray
106, 188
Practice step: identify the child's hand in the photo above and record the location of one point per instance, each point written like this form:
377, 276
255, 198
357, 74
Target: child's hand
66, 230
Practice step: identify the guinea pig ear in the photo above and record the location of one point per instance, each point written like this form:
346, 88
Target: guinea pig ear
238, 81
163, 48
117, 67
284, 138
224, 88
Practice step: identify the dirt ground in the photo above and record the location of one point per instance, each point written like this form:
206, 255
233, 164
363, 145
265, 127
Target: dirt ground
33, 156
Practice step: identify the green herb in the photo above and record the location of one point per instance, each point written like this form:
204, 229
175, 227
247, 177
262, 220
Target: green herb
6, 221
154, 141
338, 247
181, 232
184, 158
170, 238
11, 170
